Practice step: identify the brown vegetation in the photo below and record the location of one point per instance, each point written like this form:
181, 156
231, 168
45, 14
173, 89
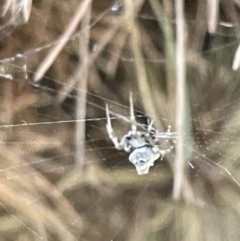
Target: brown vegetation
61, 177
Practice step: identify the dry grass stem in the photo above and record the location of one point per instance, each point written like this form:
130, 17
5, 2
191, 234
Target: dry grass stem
236, 59
9, 4
165, 25
106, 38
47, 62
213, 11
82, 76
26, 11
67, 88
141, 74
180, 160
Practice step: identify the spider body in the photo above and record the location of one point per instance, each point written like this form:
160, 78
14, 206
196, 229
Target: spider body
143, 158
142, 145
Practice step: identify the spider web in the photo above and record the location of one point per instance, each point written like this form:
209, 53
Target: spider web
42, 134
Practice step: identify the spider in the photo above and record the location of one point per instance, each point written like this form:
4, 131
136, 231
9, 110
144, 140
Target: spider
142, 145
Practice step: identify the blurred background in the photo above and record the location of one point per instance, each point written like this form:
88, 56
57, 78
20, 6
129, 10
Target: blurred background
61, 177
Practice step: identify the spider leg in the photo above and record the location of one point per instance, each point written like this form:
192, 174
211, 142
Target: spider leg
123, 144
163, 152
132, 116
110, 130
169, 129
150, 125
